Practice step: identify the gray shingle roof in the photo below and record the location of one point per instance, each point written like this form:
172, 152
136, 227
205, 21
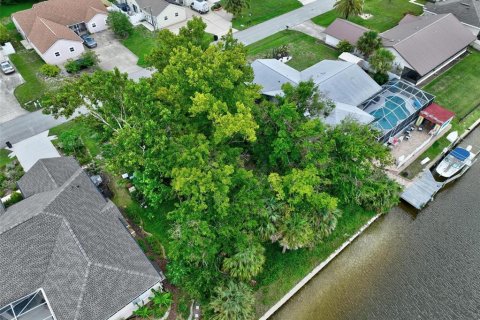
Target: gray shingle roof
467, 11
156, 6
340, 81
70, 242
345, 30
428, 41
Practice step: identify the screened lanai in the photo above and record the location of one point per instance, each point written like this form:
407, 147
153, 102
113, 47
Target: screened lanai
32, 307
395, 107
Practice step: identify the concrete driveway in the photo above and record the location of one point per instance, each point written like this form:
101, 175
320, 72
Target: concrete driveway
112, 53
9, 106
218, 22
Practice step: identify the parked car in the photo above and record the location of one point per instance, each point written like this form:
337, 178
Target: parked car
200, 6
88, 41
7, 67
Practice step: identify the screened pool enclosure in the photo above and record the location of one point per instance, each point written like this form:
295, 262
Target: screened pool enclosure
395, 107
32, 307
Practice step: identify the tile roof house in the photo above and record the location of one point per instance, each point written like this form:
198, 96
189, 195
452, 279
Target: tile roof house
52, 27
158, 13
341, 29
345, 83
424, 45
66, 250
467, 11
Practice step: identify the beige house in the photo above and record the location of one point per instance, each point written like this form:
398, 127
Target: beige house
52, 27
158, 13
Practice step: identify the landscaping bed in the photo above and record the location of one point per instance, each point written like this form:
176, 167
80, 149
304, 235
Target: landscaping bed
305, 50
263, 10
10, 172
386, 14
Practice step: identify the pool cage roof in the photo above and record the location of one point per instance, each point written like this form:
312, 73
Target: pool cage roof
397, 101
31, 307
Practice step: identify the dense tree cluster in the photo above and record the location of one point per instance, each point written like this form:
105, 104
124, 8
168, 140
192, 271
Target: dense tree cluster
241, 170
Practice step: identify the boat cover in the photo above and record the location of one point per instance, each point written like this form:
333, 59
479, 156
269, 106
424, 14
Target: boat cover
460, 153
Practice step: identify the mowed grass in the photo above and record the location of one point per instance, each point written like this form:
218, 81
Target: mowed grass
140, 42
283, 271
386, 14
263, 10
4, 159
7, 9
458, 89
305, 50
28, 63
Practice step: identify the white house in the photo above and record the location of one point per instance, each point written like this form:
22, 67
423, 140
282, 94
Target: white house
158, 13
52, 27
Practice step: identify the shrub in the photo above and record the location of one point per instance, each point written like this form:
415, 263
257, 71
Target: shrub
4, 34
14, 198
50, 70
380, 78
70, 142
119, 24
72, 66
344, 46
216, 6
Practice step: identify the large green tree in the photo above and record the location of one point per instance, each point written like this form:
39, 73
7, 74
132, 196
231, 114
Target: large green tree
348, 8
120, 24
382, 60
369, 42
236, 7
233, 301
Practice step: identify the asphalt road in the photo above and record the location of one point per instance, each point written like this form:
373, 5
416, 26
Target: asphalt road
290, 19
27, 125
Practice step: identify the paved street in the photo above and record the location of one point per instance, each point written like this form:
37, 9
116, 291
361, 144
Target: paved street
290, 19
26, 126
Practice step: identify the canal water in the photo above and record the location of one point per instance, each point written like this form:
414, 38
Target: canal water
407, 265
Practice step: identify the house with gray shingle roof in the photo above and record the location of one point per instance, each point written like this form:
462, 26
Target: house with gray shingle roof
342, 29
66, 253
424, 45
345, 83
467, 11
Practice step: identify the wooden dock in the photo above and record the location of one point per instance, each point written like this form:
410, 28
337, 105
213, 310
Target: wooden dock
422, 190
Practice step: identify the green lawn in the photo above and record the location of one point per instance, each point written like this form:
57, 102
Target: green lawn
7, 9
386, 14
4, 159
140, 42
458, 90
28, 63
283, 271
305, 50
263, 10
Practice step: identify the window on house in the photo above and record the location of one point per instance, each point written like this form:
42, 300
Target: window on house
166, 18
72, 49
176, 14
57, 54
94, 25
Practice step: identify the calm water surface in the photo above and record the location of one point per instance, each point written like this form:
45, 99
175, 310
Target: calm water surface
406, 265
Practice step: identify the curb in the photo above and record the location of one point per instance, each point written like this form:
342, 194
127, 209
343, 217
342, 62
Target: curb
316, 270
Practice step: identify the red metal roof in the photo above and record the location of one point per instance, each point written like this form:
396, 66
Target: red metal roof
437, 114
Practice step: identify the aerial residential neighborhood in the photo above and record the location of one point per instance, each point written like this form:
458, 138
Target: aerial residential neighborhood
239, 159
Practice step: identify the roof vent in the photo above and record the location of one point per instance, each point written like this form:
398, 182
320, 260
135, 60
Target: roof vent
465, 4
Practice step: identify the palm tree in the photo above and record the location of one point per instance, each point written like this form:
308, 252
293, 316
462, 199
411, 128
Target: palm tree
235, 301
143, 312
161, 298
247, 263
348, 8
368, 43
382, 61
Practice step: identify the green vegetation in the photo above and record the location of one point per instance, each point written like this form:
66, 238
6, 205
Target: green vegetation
50, 70
219, 172
4, 159
456, 90
8, 9
386, 14
349, 8
10, 172
28, 63
141, 42
283, 271
263, 10
305, 50
120, 24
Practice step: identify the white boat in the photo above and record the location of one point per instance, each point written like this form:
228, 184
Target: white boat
455, 161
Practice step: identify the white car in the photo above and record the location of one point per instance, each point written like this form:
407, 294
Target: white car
6, 67
200, 6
